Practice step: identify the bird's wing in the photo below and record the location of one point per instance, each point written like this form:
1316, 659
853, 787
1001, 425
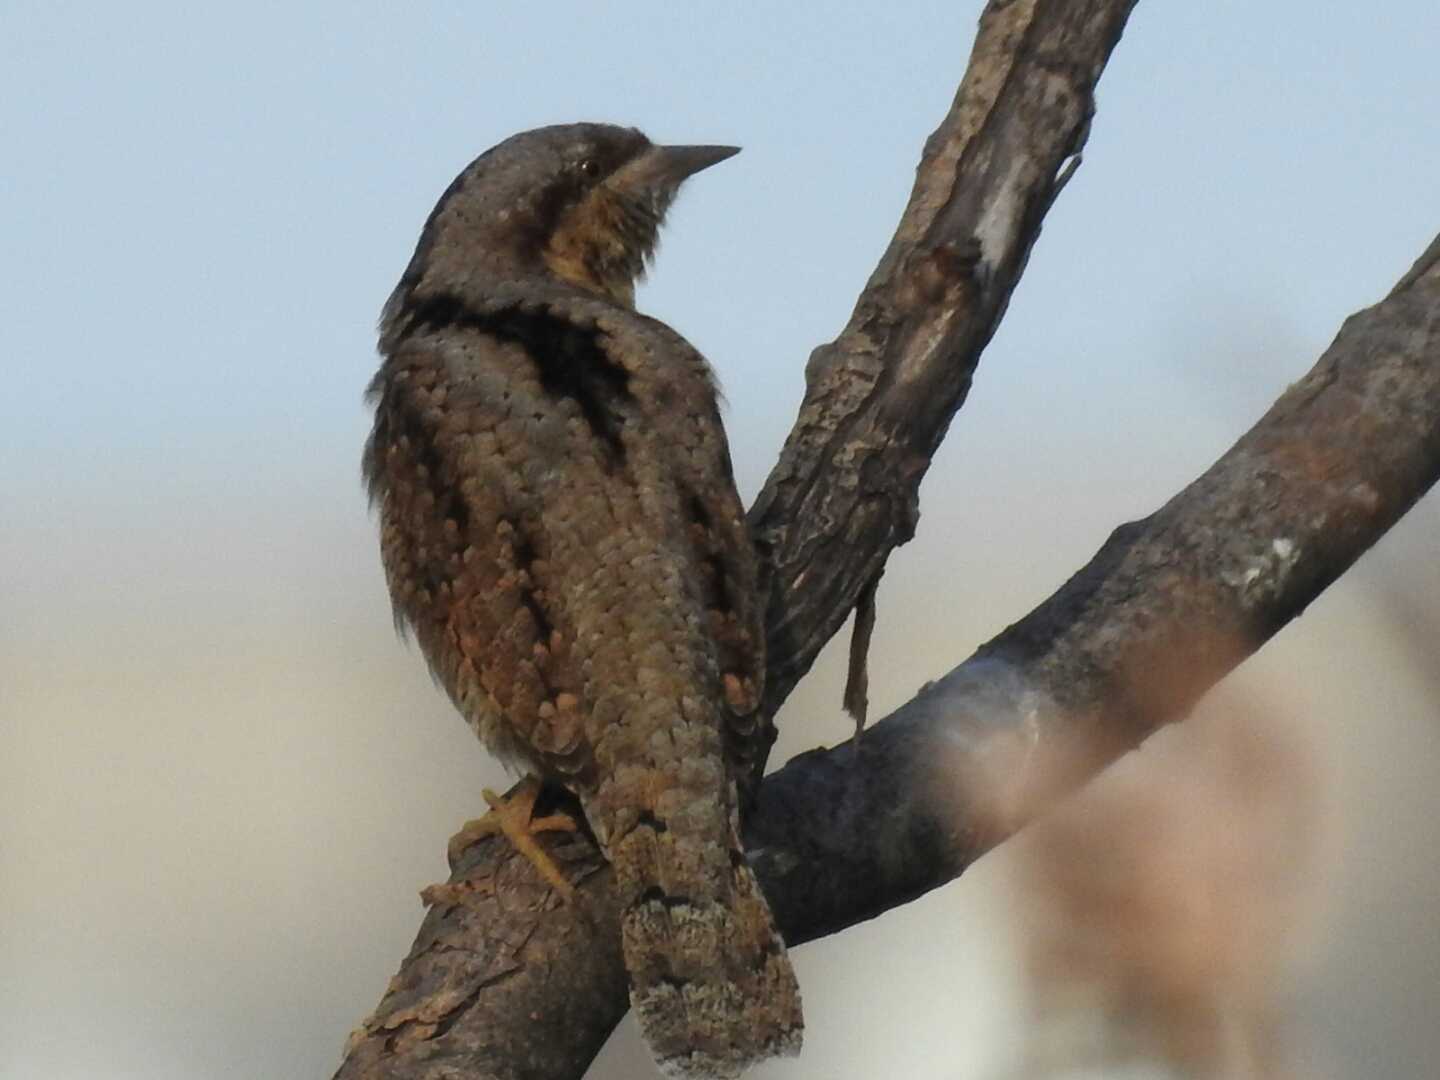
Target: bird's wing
467, 450
682, 402
518, 450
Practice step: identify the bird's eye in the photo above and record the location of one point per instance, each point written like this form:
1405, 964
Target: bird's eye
590, 167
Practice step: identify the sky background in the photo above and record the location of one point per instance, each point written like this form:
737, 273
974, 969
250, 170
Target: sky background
222, 777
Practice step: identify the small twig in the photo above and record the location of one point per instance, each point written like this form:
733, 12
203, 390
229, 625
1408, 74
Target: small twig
857, 679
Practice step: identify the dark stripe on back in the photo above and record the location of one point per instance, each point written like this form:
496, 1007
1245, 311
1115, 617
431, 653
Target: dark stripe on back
569, 359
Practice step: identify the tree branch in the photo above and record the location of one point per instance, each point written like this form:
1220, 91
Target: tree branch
879, 398
1166, 608
503, 981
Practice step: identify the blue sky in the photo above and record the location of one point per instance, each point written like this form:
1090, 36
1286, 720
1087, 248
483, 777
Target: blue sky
207, 725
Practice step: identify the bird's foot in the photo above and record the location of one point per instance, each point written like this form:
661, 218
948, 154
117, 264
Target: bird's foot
513, 817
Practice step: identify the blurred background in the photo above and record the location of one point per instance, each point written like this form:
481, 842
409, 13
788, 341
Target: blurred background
223, 780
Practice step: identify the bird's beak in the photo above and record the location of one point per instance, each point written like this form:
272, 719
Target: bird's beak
662, 169
679, 162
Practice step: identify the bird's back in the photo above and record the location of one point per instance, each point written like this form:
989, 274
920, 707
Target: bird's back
560, 528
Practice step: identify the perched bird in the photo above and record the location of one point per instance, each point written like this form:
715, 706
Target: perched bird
561, 531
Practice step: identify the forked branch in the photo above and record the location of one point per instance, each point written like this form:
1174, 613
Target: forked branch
505, 982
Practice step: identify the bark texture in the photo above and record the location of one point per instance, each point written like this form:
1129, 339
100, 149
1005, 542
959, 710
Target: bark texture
505, 982
879, 398
1167, 607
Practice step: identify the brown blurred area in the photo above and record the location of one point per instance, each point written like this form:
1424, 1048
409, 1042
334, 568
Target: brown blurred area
1163, 910
1186, 913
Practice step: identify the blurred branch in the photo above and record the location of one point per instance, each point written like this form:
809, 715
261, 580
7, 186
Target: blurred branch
503, 981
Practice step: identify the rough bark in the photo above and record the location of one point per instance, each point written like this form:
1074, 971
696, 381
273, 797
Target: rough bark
1167, 607
880, 398
505, 982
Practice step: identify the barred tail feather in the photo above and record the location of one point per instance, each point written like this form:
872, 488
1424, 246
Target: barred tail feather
710, 981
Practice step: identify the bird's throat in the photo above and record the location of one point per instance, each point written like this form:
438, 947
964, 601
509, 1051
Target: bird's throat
602, 243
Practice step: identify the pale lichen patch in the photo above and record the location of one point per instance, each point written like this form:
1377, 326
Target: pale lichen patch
1264, 575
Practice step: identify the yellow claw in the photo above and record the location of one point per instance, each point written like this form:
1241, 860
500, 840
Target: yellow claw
513, 817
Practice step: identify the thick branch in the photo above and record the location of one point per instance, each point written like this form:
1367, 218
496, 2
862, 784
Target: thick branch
1165, 609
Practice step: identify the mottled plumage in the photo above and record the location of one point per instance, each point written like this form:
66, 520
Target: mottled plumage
560, 530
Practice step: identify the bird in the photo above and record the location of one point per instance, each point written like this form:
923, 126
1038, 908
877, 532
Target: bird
561, 532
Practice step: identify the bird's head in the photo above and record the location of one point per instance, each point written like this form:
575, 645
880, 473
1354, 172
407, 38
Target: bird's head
579, 202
